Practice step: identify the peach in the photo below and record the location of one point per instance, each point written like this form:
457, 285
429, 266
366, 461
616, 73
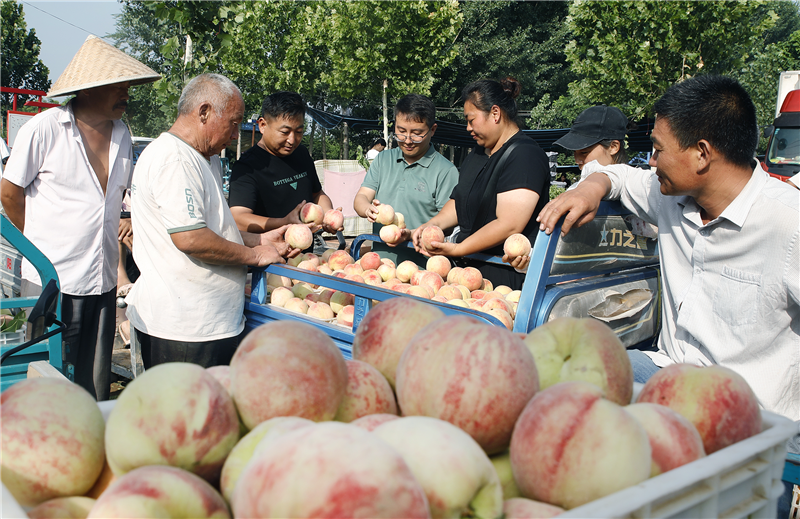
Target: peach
392, 282
406, 270
502, 465
297, 305
301, 290
673, 439
280, 295
419, 292
415, 277
465, 293
386, 330
368, 392
486, 285
299, 236
431, 279
222, 374
452, 276
477, 294
513, 296
503, 289
287, 368
244, 450
476, 376
320, 311
346, 315
521, 508
457, 476
403, 288
370, 261
311, 213
517, 245
326, 255
295, 261
325, 269
471, 278
449, 292
373, 421
356, 278
399, 220
333, 219
438, 264
582, 349
353, 268
458, 302
307, 265
73, 507
159, 491
52, 440
341, 299
387, 261
351, 471
439, 299
189, 422
429, 235
385, 214
371, 277
390, 234
310, 256
496, 302
501, 315
103, 481
716, 400
339, 260
325, 296
386, 272
313, 297
572, 446
274, 280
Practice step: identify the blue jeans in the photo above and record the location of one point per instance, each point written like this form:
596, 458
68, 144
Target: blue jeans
643, 366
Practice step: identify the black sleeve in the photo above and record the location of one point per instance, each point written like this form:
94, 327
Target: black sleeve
243, 189
526, 168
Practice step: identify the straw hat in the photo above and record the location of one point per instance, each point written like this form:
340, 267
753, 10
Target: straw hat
97, 64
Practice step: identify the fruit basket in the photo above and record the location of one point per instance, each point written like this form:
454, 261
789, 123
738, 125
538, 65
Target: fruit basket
742, 480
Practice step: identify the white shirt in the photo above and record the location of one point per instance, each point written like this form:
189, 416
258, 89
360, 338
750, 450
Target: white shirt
67, 216
372, 153
178, 297
731, 287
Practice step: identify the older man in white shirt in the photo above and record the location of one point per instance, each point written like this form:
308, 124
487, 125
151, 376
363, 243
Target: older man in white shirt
63, 187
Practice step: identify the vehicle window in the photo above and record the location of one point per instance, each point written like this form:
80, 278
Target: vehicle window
785, 146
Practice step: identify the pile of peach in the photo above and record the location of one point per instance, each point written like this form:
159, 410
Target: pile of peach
463, 287
435, 417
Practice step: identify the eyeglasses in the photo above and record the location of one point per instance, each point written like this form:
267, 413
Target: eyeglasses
416, 139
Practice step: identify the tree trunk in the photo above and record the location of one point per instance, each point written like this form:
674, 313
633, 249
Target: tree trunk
324, 144
311, 138
345, 142
385, 116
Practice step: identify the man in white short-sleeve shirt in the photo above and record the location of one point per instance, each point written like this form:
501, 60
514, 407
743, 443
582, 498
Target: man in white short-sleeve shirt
188, 303
63, 186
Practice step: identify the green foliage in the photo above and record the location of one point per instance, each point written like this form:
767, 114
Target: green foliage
555, 191
524, 40
19, 59
14, 324
630, 52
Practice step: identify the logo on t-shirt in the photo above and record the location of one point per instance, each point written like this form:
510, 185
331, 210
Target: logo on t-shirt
288, 180
189, 202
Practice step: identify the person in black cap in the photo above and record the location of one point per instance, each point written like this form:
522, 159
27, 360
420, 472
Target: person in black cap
598, 134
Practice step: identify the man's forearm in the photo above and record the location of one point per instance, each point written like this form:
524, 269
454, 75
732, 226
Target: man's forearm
252, 223
209, 247
13, 199
360, 205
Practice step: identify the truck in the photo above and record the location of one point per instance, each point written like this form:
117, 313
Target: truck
782, 159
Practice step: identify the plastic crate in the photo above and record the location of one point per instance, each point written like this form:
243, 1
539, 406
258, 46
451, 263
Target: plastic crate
10, 268
13, 338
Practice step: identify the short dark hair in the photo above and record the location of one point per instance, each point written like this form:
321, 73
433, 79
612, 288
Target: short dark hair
283, 104
377, 141
715, 108
485, 93
418, 108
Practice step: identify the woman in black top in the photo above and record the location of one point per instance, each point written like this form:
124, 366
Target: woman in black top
504, 183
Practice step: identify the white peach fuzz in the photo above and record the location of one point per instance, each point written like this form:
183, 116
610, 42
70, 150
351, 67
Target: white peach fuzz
517, 245
52, 440
299, 236
287, 368
222, 374
385, 214
390, 234
471, 278
438, 264
386, 272
673, 439
311, 213
457, 476
173, 414
243, 451
474, 375
521, 508
280, 295
73, 507
406, 270
368, 392
582, 349
716, 400
399, 220
572, 446
346, 315
429, 235
160, 491
352, 473
339, 260
333, 219
386, 330
373, 421
370, 261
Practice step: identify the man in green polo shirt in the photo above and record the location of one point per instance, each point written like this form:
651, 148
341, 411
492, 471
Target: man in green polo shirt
413, 178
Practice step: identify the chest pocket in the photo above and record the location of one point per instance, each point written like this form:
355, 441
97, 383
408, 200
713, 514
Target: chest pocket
736, 300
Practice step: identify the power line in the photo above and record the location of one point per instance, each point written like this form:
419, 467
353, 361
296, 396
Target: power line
61, 19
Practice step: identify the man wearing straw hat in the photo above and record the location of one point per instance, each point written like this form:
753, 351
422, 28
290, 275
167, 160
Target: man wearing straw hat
63, 187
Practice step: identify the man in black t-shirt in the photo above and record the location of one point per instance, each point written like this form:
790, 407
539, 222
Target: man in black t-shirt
272, 181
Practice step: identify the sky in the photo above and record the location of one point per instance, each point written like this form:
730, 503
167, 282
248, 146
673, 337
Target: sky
62, 27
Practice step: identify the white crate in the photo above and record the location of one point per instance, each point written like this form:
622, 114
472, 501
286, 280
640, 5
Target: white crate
12, 338
743, 480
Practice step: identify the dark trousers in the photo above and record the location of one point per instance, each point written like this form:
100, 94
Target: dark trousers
88, 341
156, 350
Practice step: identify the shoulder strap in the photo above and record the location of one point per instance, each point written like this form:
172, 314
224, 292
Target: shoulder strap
491, 188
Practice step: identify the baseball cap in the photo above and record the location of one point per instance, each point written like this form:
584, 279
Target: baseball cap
593, 125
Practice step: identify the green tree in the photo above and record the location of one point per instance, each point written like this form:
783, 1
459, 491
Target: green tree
628, 53
524, 40
19, 59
